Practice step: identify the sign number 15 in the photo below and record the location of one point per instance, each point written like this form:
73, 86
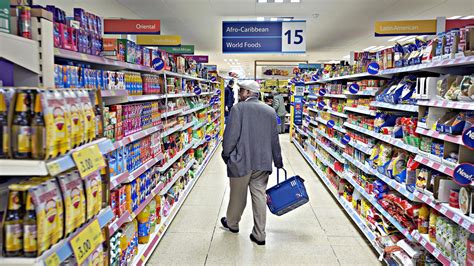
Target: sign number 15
293, 37
298, 36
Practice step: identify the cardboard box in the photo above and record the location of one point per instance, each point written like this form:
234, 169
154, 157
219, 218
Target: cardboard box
4, 16
35, 12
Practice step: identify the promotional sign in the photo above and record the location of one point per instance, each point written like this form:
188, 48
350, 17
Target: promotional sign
321, 105
88, 160
155, 40
354, 88
208, 138
322, 92
85, 242
314, 77
373, 68
131, 26
218, 92
213, 78
308, 119
298, 114
330, 123
264, 37
407, 27
309, 66
197, 90
346, 139
463, 174
199, 58
182, 49
468, 137
158, 64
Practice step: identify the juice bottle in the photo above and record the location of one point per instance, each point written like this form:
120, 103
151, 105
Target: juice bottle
432, 225
423, 219
13, 227
30, 247
21, 129
143, 219
38, 131
4, 139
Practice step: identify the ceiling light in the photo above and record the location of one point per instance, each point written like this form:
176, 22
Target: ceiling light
468, 17
260, 19
273, 19
370, 48
295, 1
346, 57
396, 38
454, 17
262, 1
287, 19
278, 1
225, 60
377, 48
407, 38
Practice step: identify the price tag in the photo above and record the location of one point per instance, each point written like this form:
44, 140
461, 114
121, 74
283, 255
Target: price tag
52, 260
424, 198
466, 224
88, 160
84, 243
83, 56
456, 218
436, 252
423, 242
443, 210
54, 168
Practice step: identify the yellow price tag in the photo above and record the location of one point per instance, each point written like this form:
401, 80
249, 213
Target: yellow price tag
84, 57
88, 160
52, 260
84, 243
54, 168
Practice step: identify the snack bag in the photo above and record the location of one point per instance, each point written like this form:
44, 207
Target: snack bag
93, 187
76, 119
56, 125
89, 116
74, 201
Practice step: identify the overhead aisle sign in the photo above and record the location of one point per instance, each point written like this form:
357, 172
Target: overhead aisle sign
264, 37
406, 27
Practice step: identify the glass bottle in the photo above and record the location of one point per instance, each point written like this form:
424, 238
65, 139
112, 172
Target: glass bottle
30, 248
13, 229
21, 129
4, 136
38, 131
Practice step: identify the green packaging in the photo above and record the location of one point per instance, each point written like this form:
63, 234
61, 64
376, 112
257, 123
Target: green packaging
5, 16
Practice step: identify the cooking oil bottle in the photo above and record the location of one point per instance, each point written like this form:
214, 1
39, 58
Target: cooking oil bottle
4, 136
21, 129
38, 131
13, 226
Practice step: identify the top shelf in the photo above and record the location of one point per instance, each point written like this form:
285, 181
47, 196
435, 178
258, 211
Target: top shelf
433, 66
100, 60
20, 51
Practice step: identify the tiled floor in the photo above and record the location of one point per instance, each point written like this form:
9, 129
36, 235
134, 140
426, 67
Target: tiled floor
317, 233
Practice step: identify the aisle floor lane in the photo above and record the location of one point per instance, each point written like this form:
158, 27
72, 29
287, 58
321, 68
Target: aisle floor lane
318, 233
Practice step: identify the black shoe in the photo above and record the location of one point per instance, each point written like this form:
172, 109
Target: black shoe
253, 239
224, 223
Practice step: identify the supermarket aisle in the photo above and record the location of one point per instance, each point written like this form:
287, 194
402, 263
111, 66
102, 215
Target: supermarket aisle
317, 233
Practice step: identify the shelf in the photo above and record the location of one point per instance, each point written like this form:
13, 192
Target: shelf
435, 165
453, 214
172, 130
423, 239
435, 134
301, 131
113, 93
53, 167
360, 110
399, 107
333, 140
354, 76
198, 126
100, 60
146, 250
186, 126
369, 91
336, 113
127, 177
331, 151
313, 110
340, 96
338, 128
179, 75
361, 147
214, 119
195, 109
171, 113
386, 138
62, 249
178, 175
146, 97
448, 104
136, 136
175, 158
315, 97
20, 51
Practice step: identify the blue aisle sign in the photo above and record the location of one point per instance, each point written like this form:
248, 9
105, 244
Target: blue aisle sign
264, 36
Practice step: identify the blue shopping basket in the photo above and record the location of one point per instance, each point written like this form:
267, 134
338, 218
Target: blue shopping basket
287, 195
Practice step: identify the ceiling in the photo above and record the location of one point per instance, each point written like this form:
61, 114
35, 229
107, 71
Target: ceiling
334, 27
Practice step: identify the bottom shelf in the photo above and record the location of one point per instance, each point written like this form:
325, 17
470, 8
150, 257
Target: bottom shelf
146, 250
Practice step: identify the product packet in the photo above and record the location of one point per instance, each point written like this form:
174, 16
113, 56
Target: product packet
93, 187
74, 200
56, 124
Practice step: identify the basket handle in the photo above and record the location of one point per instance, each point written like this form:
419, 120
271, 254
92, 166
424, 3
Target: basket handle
278, 174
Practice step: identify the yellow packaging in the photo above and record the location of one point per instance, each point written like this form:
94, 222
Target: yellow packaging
55, 120
76, 119
88, 111
93, 186
74, 201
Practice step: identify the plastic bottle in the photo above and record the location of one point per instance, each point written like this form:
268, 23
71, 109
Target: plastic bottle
143, 219
423, 219
432, 225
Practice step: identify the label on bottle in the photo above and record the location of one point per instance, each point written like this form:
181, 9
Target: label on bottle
38, 140
5, 146
143, 229
13, 237
24, 139
29, 244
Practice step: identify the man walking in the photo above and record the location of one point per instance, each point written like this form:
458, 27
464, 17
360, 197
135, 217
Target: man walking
250, 144
228, 99
279, 106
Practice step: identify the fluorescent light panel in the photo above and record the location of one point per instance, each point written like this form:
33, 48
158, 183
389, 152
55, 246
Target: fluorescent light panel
262, 1
468, 17
397, 38
260, 18
370, 48
454, 17
278, 1
273, 19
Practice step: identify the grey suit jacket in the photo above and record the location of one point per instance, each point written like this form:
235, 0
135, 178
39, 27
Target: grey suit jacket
251, 139
279, 105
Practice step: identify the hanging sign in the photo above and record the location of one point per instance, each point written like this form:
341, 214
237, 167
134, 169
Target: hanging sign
468, 137
354, 88
373, 68
131, 26
158, 63
463, 174
405, 27
199, 58
346, 139
155, 40
330, 123
264, 36
182, 49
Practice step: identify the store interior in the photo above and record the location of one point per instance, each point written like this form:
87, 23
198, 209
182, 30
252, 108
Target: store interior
113, 113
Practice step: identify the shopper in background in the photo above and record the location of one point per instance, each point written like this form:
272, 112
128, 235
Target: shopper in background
279, 106
250, 145
228, 98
